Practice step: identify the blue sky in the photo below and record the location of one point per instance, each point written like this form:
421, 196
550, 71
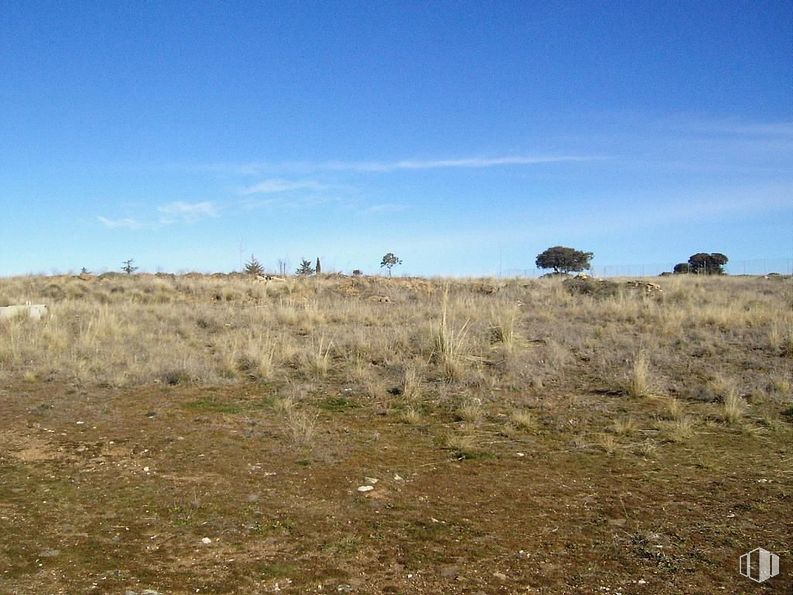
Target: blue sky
466, 137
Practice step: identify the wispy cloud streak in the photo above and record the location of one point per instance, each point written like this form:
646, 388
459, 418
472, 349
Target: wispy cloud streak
124, 223
169, 214
187, 212
279, 185
468, 162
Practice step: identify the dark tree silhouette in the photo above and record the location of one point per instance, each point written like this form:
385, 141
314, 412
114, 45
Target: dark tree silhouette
389, 262
564, 260
305, 269
127, 266
254, 267
703, 263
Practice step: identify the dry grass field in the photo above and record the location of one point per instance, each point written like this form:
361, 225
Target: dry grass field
209, 434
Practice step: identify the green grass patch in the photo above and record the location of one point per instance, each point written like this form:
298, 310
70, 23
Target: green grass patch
211, 404
337, 404
277, 570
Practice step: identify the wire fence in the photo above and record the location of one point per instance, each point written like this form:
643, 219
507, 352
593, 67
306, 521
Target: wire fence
758, 266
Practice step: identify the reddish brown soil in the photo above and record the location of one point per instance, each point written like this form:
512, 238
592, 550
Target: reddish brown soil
110, 491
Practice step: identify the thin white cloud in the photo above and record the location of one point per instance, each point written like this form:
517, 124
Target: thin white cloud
279, 185
276, 185
385, 208
303, 201
732, 126
188, 212
125, 223
467, 162
170, 213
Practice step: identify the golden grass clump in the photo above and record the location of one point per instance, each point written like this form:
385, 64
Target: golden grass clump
638, 383
608, 443
451, 344
733, 407
411, 415
318, 356
301, 427
624, 426
461, 445
411, 384
524, 420
678, 430
502, 327
674, 409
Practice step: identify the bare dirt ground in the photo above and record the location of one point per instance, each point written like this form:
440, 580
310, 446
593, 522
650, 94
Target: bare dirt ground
194, 490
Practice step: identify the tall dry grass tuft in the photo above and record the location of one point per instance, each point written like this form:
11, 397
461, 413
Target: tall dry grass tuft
524, 420
318, 357
679, 430
502, 327
733, 407
470, 411
411, 384
625, 426
780, 336
411, 415
638, 383
301, 427
462, 445
674, 409
451, 346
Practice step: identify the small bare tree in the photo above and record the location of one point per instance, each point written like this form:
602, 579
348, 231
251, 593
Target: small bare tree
389, 262
127, 266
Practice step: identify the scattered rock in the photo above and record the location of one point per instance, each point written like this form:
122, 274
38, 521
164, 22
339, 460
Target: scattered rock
371, 480
644, 287
398, 477
206, 540
365, 488
450, 571
500, 576
49, 553
382, 299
